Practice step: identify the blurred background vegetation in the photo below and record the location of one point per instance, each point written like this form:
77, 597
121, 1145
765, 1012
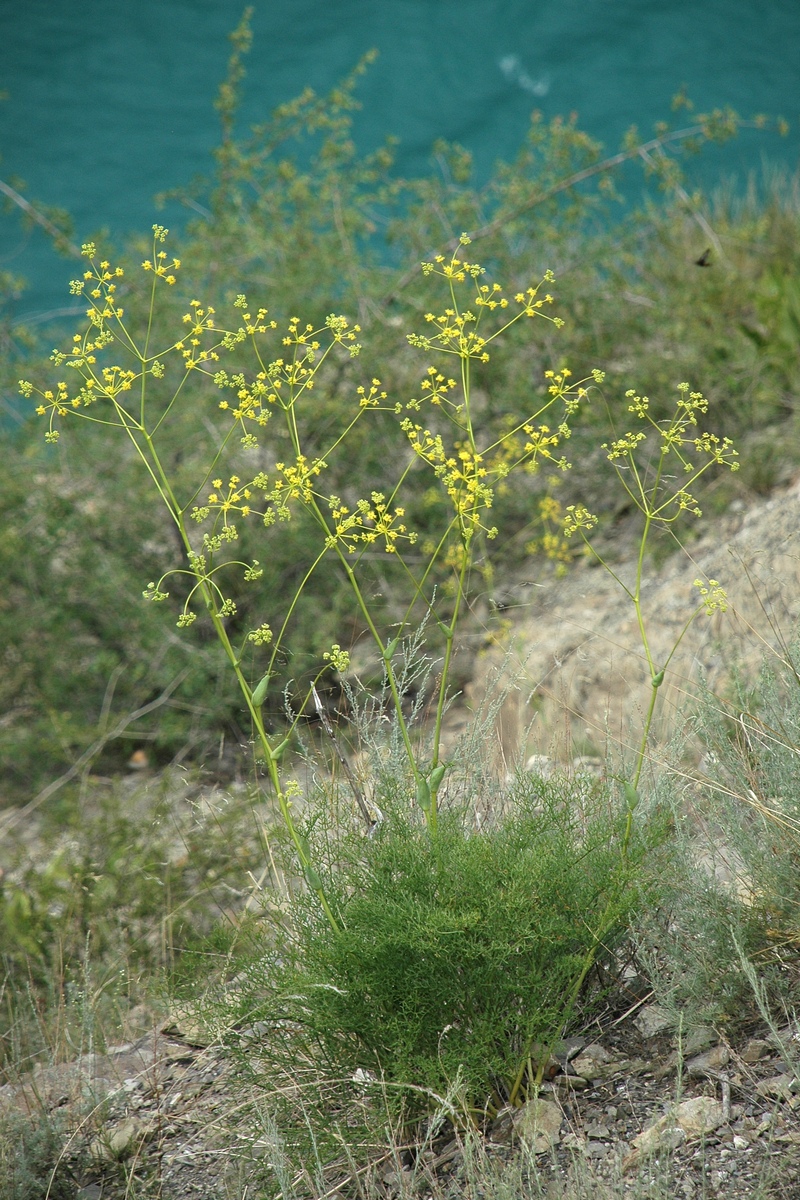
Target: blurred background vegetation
701, 287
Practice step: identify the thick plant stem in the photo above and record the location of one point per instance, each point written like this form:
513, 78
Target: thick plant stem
466, 561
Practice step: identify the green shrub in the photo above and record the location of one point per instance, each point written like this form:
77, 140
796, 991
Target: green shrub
32, 1166
457, 955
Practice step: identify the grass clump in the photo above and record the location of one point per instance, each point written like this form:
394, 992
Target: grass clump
456, 960
32, 1164
730, 895
751, 787
99, 899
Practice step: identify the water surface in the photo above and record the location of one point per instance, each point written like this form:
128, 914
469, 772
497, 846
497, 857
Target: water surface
109, 103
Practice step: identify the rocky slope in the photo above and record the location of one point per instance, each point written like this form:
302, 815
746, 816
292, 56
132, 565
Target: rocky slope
572, 657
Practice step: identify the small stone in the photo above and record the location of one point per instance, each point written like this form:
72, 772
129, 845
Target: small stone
691, 1119
779, 1086
594, 1062
739, 1142
598, 1130
658, 1137
652, 1020
754, 1051
566, 1050
700, 1115
596, 1150
538, 1124
697, 1039
120, 1142
707, 1064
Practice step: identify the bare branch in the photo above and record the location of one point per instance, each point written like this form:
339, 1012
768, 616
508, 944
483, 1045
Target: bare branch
39, 218
18, 813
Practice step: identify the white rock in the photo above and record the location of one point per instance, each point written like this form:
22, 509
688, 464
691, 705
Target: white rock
700, 1115
657, 1137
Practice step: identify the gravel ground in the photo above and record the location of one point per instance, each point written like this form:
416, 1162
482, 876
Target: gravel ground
176, 1119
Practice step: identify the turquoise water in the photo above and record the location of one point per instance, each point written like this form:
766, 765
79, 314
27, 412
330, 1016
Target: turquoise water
109, 103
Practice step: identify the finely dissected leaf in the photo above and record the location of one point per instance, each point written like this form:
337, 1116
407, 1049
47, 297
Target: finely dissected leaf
457, 949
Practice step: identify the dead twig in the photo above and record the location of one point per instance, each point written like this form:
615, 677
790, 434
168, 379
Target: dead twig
18, 813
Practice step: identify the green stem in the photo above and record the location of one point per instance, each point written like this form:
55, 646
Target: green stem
390, 673
448, 655
255, 714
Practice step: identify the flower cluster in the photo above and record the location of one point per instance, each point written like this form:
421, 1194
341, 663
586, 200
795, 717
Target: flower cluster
283, 381
435, 388
677, 439
713, 597
577, 516
370, 521
456, 329
462, 474
106, 326
261, 636
338, 658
